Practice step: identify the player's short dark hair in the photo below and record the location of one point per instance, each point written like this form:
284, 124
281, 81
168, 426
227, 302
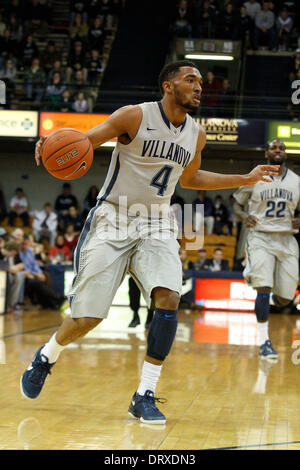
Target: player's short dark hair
170, 70
272, 141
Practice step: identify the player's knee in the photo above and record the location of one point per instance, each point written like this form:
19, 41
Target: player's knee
263, 290
88, 323
166, 298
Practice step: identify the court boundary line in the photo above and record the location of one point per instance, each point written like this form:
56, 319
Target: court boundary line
254, 445
20, 333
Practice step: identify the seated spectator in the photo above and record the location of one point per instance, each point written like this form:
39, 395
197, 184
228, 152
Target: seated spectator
202, 262
28, 51
60, 253
252, 8
79, 7
284, 25
57, 67
96, 34
49, 56
217, 263
226, 23
205, 20
8, 47
35, 80
18, 208
243, 26
71, 238
187, 299
54, 93
90, 200
66, 103
232, 221
38, 250
182, 25
106, 13
37, 16
3, 211
94, 68
210, 94
186, 264
77, 55
77, 84
17, 235
8, 76
35, 280
264, 27
226, 100
220, 214
74, 218
8, 254
208, 212
65, 200
78, 29
16, 28
80, 104
45, 224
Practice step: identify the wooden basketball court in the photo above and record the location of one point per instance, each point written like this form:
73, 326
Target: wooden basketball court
220, 395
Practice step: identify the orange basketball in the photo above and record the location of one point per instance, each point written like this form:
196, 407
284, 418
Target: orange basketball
67, 154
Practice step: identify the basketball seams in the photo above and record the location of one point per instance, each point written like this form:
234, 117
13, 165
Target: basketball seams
69, 143
77, 161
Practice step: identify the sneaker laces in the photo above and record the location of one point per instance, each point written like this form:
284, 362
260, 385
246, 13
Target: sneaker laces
153, 399
40, 370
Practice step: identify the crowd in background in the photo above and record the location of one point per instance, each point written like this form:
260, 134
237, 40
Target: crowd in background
45, 76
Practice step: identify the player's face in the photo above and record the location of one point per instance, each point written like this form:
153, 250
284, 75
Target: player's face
276, 154
187, 88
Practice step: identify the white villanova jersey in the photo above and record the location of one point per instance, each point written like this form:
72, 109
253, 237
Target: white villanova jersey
147, 170
273, 204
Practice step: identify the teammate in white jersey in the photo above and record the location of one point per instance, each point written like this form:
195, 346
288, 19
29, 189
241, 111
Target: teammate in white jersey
272, 250
158, 144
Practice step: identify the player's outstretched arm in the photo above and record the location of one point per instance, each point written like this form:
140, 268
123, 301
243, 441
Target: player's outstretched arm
194, 178
124, 121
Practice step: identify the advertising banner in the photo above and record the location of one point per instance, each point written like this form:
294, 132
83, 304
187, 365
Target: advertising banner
18, 123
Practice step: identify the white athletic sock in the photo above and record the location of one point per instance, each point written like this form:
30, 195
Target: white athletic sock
52, 349
149, 378
263, 332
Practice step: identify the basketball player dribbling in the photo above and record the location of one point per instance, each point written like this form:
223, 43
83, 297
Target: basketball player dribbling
158, 144
272, 250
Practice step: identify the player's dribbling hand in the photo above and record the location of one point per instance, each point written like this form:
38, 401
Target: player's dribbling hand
262, 173
251, 221
38, 149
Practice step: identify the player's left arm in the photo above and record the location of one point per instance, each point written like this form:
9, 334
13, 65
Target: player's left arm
194, 178
296, 219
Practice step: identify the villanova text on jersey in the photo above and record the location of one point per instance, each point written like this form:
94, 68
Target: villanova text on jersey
273, 193
169, 151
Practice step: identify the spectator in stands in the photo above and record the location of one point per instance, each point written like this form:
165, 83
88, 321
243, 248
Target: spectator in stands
54, 93
90, 200
8, 47
243, 26
59, 253
295, 65
220, 214
96, 34
28, 51
284, 25
226, 23
17, 235
217, 263
80, 104
65, 200
78, 84
71, 238
35, 283
79, 8
252, 8
45, 224
208, 212
3, 211
106, 12
35, 79
8, 254
210, 94
232, 221
182, 25
205, 20
187, 299
265, 27
49, 56
14, 8
8, 74
202, 262
37, 17
226, 100
57, 67
19, 208
38, 251
16, 28
77, 55
73, 217
66, 103
78, 30
94, 67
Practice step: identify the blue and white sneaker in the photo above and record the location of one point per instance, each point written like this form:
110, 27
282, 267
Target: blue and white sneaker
33, 379
143, 408
266, 351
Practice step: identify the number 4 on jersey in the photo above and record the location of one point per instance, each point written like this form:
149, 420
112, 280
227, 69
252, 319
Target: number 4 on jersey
161, 179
